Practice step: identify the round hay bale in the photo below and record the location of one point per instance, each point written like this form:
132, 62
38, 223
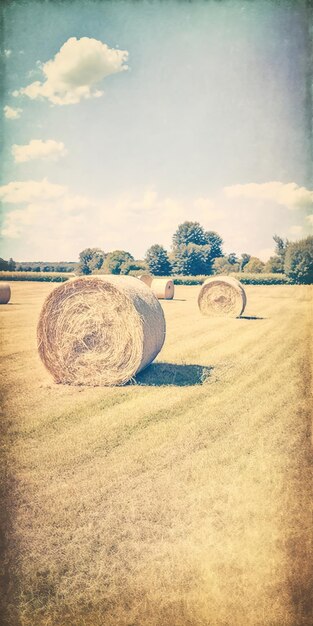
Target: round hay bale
5, 293
162, 288
100, 330
146, 278
222, 296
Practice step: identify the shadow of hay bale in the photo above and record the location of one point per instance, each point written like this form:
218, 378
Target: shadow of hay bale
170, 374
250, 317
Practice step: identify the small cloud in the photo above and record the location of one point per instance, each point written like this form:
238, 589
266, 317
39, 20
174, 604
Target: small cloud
38, 149
7, 53
287, 194
310, 218
12, 114
71, 75
30, 190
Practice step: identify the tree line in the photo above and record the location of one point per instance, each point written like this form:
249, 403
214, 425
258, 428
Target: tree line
194, 252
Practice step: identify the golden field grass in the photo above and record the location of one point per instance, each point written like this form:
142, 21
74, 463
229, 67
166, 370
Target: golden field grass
181, 500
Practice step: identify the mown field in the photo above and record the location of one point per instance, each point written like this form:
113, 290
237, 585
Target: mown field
181, 500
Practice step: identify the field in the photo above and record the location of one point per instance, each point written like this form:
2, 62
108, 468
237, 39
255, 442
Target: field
183, 499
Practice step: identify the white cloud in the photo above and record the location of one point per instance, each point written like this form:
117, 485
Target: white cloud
287, 194
310, 218
7, 53
38, 149
17, 192
12, 114
43, 220
71, 75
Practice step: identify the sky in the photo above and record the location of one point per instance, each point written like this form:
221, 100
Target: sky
123, 119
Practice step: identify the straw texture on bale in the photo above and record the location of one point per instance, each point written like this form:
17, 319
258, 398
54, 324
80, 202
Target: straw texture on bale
162, 288
146, 278
100, 330
222, 296
5, 293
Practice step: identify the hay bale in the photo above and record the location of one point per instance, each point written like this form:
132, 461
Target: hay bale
100, 330
146, 278
162, 288
5, 293
222, 296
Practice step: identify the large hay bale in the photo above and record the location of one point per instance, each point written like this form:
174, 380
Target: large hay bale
222, 296
162, 288
5, 293
100, 330
146, 278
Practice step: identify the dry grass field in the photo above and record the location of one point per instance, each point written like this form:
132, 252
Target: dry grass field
180, 500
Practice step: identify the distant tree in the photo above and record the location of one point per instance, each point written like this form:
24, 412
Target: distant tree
133, 266
48, 268
222, 265
299, 261
244, 259
4, 265
274, 265
281, 246
232, 258
215, 242
115, 260
157, 261
193, 259
90, 259
11, 265
189, 232
254, 266
195, 249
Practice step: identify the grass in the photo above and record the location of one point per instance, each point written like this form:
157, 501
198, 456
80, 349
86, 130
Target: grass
182, 499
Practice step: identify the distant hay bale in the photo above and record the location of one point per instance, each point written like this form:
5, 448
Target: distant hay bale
222, 296
100, 330
146, 278
5, 293
162, 288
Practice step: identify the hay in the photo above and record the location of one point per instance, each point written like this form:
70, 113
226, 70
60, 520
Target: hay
162, 288
5, 293
146, 278
222, 296
100, 330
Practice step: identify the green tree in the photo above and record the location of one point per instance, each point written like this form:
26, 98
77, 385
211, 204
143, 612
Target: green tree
254, 266
244, 259
232, 258
115, 260
11, 265
195, 249
299, 261
133, 266
215, 242
157, 261
274, 265
193, 259
4, 265
222, 265
189, 232
281, 246
90, 259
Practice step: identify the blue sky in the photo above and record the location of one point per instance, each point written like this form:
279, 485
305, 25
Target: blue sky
123, 119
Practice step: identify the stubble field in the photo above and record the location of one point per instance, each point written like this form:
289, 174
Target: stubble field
183, 499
